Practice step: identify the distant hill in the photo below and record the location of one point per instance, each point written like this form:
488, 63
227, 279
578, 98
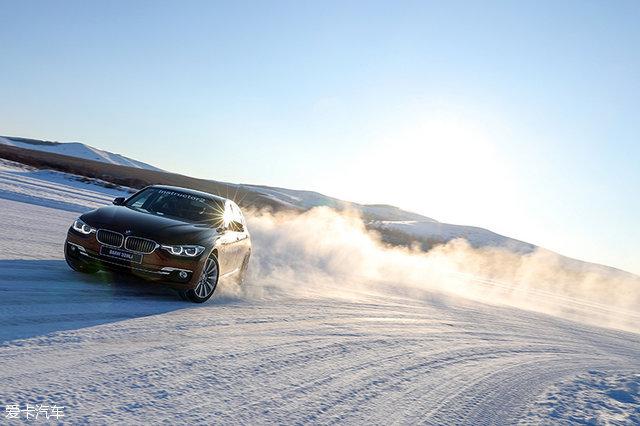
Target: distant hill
310, 199
74, 149
432, 233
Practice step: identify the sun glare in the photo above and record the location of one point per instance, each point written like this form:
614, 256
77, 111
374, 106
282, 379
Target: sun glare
444, 165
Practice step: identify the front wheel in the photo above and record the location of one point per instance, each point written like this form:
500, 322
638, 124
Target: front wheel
206, 284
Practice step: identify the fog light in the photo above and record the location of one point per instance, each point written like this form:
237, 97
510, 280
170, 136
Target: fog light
183, 275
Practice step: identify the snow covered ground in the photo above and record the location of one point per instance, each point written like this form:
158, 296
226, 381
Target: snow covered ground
53, 189
293, 346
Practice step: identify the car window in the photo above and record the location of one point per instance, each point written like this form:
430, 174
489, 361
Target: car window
235, 216
139, 200
179, 205
241, 216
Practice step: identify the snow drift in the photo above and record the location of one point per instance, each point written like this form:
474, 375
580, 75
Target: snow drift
326, 253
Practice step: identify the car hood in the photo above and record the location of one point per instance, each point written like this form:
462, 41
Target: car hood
163, 230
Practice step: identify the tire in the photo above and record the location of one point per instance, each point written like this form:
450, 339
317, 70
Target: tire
207, 282
242, 275
78, 265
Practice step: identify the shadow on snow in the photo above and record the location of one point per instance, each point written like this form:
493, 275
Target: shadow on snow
43, 296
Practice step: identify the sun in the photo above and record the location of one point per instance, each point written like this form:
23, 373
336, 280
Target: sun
438, 164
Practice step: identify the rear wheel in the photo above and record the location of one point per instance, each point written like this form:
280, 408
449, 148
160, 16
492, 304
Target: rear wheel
206, 284
77, 264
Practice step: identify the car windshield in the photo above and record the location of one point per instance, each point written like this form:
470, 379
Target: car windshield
178, 205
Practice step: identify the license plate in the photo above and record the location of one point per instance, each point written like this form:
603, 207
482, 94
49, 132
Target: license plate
121, 254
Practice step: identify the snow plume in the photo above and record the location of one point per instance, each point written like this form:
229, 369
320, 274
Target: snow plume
323, 253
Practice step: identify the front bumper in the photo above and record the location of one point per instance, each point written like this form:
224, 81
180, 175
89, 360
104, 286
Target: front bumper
156, 266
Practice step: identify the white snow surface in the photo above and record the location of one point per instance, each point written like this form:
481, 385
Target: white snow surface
611, 399
54, 189
75, 149
113, 350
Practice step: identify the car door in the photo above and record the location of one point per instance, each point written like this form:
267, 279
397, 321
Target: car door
226, 257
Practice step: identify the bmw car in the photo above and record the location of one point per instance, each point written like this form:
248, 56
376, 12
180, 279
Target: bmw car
186, 239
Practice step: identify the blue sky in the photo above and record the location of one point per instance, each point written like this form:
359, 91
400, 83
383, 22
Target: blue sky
522, 117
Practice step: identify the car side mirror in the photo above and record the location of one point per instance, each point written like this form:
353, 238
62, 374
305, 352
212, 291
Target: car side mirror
118, 201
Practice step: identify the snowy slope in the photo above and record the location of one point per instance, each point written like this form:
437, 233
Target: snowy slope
310, 199
74, 149
304, 199
443, 232
392, 213
296, 345
54, 189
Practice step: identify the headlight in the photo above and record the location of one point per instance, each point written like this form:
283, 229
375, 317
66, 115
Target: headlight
184, 251
82, 227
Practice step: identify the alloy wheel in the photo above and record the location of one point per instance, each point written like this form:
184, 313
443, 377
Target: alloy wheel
208, 280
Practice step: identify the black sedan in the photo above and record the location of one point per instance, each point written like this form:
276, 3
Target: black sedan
184, 238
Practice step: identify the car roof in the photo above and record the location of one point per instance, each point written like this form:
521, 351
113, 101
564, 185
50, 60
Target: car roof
191, 192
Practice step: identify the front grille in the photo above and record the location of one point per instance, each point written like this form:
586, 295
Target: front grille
109, 238
140, 245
